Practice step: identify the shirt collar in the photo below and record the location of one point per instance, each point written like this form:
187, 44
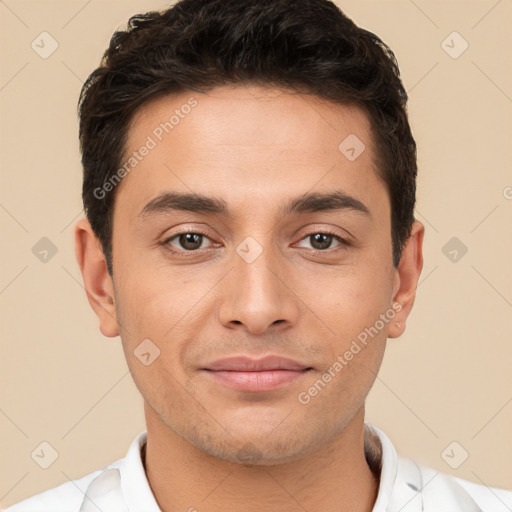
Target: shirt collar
134, 482
383, 460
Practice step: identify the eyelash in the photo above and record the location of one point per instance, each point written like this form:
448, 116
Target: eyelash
186, 254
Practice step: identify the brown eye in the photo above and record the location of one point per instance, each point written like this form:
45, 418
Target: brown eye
321, 241
190, 241
186, 241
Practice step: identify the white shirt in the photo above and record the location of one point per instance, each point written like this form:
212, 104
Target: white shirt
405, 486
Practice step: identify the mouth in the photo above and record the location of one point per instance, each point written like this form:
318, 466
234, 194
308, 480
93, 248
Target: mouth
256, 375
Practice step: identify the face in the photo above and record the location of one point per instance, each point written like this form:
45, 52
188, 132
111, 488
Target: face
288, 255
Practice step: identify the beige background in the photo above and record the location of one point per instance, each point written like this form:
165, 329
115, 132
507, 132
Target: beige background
447, 379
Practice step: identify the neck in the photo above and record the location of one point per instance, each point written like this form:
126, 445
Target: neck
336, 478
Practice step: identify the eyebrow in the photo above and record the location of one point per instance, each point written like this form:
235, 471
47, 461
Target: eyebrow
198, 203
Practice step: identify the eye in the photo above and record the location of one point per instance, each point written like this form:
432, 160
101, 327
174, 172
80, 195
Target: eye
321, 241
187, 242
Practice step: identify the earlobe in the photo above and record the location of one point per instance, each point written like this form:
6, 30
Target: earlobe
97, 281
406, 278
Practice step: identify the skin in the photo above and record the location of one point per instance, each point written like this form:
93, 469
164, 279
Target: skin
214, 448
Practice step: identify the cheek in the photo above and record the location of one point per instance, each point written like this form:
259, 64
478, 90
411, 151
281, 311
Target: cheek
348, 300
166, 306
351, 304
351, 307
153, 315
150, 295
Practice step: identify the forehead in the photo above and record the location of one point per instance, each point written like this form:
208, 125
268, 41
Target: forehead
251, 114
248, 142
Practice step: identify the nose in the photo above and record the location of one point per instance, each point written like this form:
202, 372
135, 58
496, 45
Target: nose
258, 295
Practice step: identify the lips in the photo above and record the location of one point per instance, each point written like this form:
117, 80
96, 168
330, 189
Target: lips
255, 375
247, 364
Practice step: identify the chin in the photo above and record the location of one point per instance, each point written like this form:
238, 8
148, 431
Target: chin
255, 449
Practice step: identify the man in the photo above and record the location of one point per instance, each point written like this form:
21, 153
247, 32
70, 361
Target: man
249, 185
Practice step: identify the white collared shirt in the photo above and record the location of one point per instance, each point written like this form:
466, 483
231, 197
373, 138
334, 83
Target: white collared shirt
405, 486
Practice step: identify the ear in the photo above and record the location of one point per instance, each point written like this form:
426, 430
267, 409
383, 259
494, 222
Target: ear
98, 283
406, 279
